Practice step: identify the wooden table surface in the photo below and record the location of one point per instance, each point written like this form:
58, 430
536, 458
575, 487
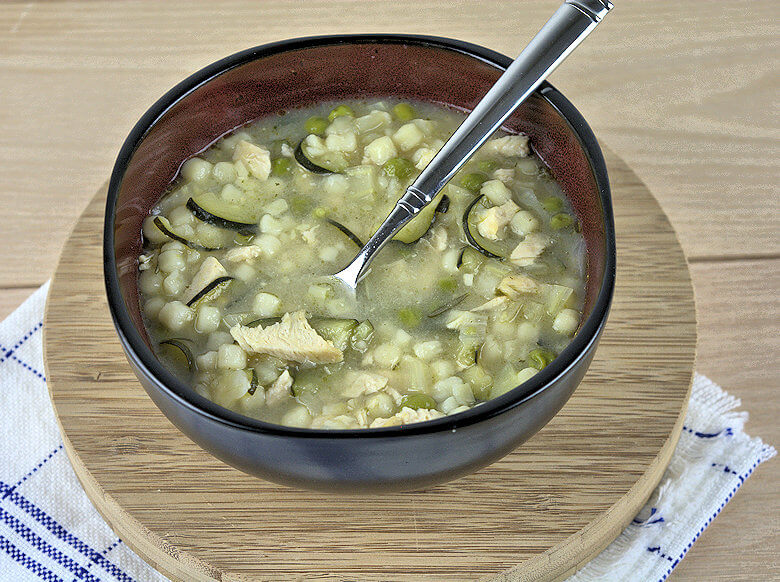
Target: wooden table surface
685, 92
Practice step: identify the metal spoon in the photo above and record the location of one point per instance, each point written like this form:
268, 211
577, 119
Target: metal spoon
560, 35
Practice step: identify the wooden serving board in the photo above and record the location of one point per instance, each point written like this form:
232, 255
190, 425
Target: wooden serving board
538, 514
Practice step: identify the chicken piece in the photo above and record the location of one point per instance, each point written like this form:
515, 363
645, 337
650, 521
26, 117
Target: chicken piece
279, 390
495, 303
407, 416
309, 235
509, 146
245, 253
506, 175
255, 158
513, 286
210, 269
360, 383
496, 218
528, 249
292, 339
438, 239
287, 150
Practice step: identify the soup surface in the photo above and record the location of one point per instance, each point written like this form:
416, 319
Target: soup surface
479, 292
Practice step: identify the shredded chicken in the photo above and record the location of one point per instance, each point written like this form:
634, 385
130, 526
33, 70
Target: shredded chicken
496, 218
210, 269
510, 145
279, 390
292, 339
407, 416
528, 249
245, 253
506, 175
438, 239
360, 383
495, 303
256, 159
514, 286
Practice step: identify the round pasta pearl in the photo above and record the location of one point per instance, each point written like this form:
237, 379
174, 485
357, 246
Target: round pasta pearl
171, 261
196, 170
231, 356
208, 319
175, 315
173, 284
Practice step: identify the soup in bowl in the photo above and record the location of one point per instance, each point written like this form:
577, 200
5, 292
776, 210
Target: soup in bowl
247, 183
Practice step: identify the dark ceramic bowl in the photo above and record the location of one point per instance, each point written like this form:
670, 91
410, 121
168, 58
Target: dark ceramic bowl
296, 73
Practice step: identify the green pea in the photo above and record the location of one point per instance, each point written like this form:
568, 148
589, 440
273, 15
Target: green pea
448, 284
473, 181
281, 166
401, 168
320, 212
561, 220
487, 166
418, 400
552, 204
540, 358
340, 111
404, 112
316, 125
409, 317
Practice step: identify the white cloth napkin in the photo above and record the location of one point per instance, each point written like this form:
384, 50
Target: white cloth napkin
49, 529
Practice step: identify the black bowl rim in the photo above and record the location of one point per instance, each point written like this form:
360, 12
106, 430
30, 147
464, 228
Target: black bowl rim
143, 358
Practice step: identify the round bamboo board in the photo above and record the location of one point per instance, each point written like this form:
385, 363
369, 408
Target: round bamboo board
538, 514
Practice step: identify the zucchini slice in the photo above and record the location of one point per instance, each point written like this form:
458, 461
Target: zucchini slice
419, 225
165, 227
211, 209
330, 163
444, 205
487, 248
338, 331
350, 235
253, 383
210, 291
362, 336
184, 349
469, 260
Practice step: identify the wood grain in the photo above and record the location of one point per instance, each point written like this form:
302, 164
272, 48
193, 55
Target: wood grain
536, 515
10, 299
739, 340
686, 94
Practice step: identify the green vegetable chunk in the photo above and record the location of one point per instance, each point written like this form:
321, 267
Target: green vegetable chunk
540, 358
404, 112
448, 284
552, 204
281, 166
362, 336
337, 331
561, 220
417, 401
409, 317
316, 125
473, 181
400, 168
340, 111
487, 166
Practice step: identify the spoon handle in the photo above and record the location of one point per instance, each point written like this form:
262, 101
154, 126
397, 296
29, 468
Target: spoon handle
560, 35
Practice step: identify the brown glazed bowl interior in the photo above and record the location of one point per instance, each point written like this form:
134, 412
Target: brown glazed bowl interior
271, 79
